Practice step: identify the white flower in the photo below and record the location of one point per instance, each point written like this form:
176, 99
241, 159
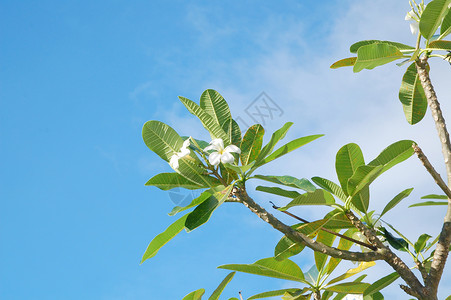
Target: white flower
415, 24
221, 154
184, 151
414, 28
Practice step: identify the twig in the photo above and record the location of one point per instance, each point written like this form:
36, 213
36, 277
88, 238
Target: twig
437, 178
241, 297
327, 230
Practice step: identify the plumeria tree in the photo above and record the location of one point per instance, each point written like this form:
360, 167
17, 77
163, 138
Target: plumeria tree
350, 231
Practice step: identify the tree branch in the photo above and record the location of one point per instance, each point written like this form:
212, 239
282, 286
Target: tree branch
298, 237
391, 258
328, 231
442, 249
437, 178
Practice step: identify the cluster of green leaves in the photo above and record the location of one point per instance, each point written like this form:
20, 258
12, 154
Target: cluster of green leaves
352, 191
354, 178
316, 280
196, 173
372, 53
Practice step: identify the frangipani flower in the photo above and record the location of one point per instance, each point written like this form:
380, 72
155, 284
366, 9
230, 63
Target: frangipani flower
415, 25
221, 154
184, 151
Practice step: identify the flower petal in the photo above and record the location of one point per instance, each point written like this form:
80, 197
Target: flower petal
414, 27
227, 158
174, 161
186, 144
184, 152
232, 148
211, 147
218, 143
214, 158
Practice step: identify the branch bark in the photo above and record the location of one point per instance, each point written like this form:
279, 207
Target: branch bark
389, 256
442, 250
298, 237
437, 178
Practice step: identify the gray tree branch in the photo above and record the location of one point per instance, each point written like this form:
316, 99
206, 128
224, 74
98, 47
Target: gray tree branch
442, 249
437, 178
298, 237
391, 258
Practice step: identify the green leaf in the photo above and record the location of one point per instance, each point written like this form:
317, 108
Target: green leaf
435, 196
167, 181
445, 29
356, 46
400, 234
381, 283
348, 159
375, 296
251, 144
327, 239
229, 173
286, 248
429, 203
275, 138
193, 172
318, 197
240, 169
204, 196
397, 243
349, 287
396, 200
363, 176
303, 184
330, 186
196, 295
394, 154
270, 267
293, 145
278, 191
337, 220
220, 288
373, 55
345, 62
208, 121
214, 104
161, 139
273, 293
432, 17
351, 272
361, 201
412, 96
232, 129
343, 244
164, 237
421, 242
440, 45
311, 228
201, 214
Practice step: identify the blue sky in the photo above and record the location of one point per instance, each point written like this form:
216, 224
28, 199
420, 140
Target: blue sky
79, 79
